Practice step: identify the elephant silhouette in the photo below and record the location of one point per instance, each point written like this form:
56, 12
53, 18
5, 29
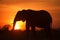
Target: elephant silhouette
34, 18
41, 19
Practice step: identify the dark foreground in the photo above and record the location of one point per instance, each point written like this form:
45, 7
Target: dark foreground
21, 35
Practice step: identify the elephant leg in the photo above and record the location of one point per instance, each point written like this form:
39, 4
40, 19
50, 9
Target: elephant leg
33, 28
48, 33
27, 30
33, 32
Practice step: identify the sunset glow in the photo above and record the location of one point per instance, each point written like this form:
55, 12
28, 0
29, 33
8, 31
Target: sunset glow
9, 9
20, 25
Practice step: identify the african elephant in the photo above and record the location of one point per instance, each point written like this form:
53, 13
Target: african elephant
34, 18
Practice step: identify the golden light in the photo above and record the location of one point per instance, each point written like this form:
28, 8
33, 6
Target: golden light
20, 25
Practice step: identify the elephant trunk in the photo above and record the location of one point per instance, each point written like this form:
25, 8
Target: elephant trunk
14, 24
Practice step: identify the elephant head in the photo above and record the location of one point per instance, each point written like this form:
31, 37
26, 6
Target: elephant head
22, 15
19, 16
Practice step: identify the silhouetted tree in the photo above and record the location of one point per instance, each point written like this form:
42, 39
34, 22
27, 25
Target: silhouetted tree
6, 27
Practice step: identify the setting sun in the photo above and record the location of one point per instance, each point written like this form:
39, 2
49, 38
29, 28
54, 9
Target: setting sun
20, 25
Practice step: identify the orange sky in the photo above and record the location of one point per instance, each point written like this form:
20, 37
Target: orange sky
9, 8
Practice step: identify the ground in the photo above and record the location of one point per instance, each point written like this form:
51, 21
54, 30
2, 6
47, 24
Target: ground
21, 35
